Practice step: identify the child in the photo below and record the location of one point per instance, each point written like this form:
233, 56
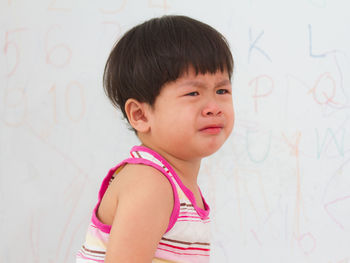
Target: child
170, 77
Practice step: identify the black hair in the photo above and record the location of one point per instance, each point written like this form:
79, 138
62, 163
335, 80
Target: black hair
158, 51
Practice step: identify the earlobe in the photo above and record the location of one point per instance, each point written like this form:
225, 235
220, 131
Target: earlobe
137, 115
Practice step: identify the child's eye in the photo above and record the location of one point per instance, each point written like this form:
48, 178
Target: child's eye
194, 93
222, 91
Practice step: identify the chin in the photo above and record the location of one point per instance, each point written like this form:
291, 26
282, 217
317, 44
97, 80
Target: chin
207, 151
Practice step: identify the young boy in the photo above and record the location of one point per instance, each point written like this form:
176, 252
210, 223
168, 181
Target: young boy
170, 77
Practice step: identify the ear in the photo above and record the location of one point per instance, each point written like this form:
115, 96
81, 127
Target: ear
137, 113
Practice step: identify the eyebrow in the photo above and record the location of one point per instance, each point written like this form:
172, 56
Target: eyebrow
201, 84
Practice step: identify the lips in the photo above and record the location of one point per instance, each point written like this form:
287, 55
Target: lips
212, 129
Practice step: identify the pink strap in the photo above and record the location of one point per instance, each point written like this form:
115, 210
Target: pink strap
107, 228
204, 214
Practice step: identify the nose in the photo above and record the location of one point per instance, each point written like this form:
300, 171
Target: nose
211, 109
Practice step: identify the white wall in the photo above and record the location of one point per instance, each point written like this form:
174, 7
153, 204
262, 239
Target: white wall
279, 189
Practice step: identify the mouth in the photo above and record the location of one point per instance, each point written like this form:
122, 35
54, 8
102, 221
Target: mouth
212, 129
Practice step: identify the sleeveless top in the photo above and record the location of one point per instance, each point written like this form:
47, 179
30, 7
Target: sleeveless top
187, 236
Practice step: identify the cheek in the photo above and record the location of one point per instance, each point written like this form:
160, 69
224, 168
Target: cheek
233, 115
183, 113
230, 117
169, 121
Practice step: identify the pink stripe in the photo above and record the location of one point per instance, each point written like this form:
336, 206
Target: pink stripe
80, 255
188, 213
196, 217
184, 220
184, 248
186, 254
92, 225
188, 193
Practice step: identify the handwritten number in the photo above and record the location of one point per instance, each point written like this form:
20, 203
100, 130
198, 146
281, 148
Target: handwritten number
11, 44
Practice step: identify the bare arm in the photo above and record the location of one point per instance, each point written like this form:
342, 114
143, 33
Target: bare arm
145, 203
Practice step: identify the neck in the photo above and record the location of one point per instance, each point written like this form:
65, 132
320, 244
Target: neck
187, 170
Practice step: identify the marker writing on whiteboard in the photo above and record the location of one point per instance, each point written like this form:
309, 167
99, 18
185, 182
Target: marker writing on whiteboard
259, 81
267, 150
320, 55
115, 10
253, 45
10, 43
339, 143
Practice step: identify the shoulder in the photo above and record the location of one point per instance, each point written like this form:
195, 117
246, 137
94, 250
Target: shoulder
143, 178
145, 204
144, 186
135, 186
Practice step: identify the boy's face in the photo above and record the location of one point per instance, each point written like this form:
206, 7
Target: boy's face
193, 116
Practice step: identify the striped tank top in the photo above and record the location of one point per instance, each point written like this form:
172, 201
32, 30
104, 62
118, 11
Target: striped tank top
187, 236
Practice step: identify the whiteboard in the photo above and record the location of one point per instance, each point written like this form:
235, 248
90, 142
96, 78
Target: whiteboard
279, 189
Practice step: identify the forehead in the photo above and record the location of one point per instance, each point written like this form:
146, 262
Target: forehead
191, 78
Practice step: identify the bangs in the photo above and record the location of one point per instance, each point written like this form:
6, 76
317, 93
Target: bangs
188, 42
